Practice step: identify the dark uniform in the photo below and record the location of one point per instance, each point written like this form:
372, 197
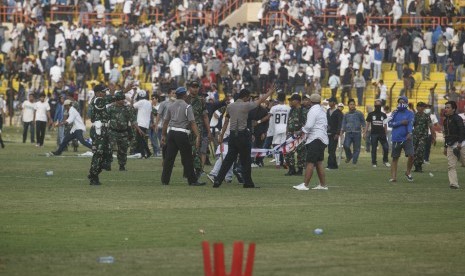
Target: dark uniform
178, 119
239, 142
99, 133
421, 123
122, 120
378, 133
334, 118
295, 122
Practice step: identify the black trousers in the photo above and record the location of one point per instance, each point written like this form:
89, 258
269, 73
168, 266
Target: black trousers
142, 146
332, 147
26, 126
40, 132
178, 141
77, 134
239, 143
374, 145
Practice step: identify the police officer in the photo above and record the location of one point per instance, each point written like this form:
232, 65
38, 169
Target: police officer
294, 124
122, 119
99, 133
180, 120
239, 137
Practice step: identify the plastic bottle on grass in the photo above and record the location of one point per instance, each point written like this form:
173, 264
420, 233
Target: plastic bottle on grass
106, 260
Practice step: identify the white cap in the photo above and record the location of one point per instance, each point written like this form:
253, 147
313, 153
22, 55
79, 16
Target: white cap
141, 93
340, 105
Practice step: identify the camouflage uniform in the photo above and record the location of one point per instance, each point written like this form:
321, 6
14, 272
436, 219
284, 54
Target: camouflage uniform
295, 123
200, 108
122, 118
100, 141
421, 124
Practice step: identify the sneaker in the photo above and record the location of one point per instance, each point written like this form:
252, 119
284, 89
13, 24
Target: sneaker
392, 180
254, 165
301, 187
409, 177
454, 186
319, 187
426, 162
387, 164
374, 166
273, 160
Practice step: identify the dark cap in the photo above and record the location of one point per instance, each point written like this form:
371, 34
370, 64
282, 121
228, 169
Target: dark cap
181, 90
295, 97
194, 83
100, 88
332, 100
421, 104
119, 96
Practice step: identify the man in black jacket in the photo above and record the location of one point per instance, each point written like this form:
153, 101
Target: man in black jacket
334, 128
454, 146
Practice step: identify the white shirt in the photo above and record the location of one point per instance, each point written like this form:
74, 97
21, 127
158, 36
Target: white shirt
265, 68
28, 111
55, 73
317, 125
144, 111
127, 7
41, 109
434, 120
424, 56
75, 118
383, 92
176, 66
279, 117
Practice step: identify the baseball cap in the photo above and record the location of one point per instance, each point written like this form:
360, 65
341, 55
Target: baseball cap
421, 104
340, 105
67, 102
181, 90
142, 93
315, 98
405, 99
295, 97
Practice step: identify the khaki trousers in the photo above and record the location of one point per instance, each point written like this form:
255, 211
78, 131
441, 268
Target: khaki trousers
452, 165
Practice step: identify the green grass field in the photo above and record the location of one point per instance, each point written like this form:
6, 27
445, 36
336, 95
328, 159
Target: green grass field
59, 225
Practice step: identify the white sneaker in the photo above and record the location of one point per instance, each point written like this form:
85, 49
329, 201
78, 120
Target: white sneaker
374, 166
387, 164
254, 165
301, 187
319, 187
274, 160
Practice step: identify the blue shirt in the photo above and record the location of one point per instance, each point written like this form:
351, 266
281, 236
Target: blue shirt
353, 121
58, 113
400, 131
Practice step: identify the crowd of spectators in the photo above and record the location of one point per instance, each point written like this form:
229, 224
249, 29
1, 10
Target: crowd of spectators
57, 57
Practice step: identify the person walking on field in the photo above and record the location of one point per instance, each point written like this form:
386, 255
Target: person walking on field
421, 125
377, 129
353, 124
454, 146
401, 122
317, 139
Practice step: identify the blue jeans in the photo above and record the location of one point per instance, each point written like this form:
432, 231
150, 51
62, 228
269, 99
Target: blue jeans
60, 135
154, 141
440, 60
354, 138
77, 134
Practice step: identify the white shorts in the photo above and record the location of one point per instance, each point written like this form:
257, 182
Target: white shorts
278, 139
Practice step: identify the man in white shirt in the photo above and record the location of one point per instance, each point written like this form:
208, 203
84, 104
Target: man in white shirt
334, 82
265, 69
55, 75
144, 116
424, 56
76, 131
317, 139
41, 116
28, 109
279, 115
176, 66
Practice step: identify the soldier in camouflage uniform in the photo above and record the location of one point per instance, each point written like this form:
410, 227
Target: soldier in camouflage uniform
421, 124
294, 125
122, 119
99, 133
201, 118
